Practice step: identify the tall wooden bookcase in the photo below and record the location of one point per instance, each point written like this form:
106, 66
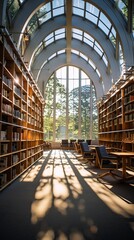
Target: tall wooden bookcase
116, 114
21, 114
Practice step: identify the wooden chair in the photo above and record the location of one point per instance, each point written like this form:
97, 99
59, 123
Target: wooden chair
87, 153
77, 147
72, 141
81, 140
107, 162
88, 141
64, 144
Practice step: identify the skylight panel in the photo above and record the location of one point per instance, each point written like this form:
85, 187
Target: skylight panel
61, 52
78, 3
75, 52
79, 37
105, 20
91, 17
45, 18
58, 11
77, 31
59, 31
49, 36
47, 7
92, 64
87, 41
86, 35
59, 36
112, 39
97, 71
98, 46
98, 50
78, 11
113, 31
105, 60
49, 41
52, 56
103, 27
92, 9
84, 56
57, 3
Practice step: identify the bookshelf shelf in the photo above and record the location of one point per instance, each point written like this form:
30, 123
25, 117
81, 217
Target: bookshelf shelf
21, 114
116, 116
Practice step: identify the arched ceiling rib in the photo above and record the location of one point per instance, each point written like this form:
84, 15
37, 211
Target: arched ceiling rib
60, 62
96, 33
40, 34
77, 45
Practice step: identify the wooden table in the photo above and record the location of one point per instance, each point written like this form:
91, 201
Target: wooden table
125, 156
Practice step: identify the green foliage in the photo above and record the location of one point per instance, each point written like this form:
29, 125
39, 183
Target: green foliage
60, 104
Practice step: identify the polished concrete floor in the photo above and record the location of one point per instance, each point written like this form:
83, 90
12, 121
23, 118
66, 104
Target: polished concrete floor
60, 198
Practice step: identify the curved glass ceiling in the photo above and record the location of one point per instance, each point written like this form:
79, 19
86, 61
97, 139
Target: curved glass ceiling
76, 34
81, 8
78, 53
46, 12
13, 6
93, 14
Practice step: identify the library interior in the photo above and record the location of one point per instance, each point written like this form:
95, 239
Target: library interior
67, 119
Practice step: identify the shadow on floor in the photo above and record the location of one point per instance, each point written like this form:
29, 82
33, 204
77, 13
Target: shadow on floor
60, 198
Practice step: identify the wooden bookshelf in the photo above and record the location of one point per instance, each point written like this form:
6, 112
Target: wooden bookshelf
116, 114
21, 114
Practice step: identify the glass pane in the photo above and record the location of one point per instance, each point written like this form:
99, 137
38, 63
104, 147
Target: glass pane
91, 18
103, 27
105, 20
58, 11
79, 12
77, 36
84, 56
57, 3
92, 9
75, 52
78, 3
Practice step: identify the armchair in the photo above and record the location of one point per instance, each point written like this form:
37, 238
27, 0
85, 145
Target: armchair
87, 153
107, 161
72, 141
64, 144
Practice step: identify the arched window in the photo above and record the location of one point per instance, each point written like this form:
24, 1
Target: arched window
71, 110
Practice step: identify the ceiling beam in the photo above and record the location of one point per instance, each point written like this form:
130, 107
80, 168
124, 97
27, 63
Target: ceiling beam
68, 29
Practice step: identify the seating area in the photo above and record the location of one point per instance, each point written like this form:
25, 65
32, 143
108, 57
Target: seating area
109, 163
90, 152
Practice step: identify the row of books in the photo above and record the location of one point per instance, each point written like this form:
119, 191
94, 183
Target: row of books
5, 93
7, 108
15, 158
7, 81
129, 107
3, 135
3, 162
16, 136
129, 117
128, 99
17, 90
129, 89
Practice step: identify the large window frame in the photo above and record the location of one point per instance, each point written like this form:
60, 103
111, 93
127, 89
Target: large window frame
71, 106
